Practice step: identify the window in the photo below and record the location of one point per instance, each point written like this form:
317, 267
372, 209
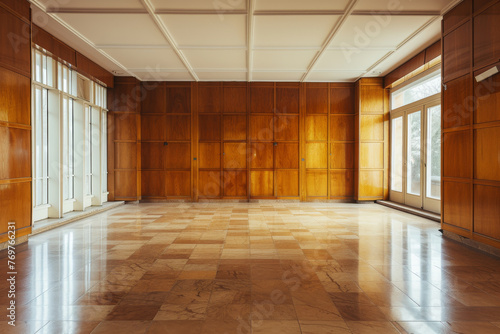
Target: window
68, 148
416, 91
69, 164
41, 151
88, 150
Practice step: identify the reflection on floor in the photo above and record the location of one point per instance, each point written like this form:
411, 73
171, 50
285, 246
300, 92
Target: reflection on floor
252, 268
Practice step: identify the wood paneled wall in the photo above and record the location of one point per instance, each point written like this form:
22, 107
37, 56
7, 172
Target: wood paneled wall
471, 122
371, 140
124, 140
15, 117
236, 140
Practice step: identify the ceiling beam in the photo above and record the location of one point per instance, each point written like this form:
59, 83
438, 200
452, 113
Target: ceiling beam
41, 7
250, 37
338, 25
166, 34
408, 39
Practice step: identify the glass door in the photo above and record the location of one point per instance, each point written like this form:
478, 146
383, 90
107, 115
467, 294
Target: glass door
416, 155
413, 194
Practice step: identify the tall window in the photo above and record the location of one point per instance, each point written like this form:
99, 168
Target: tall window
69, 162
41, 151
88, 150
68, 148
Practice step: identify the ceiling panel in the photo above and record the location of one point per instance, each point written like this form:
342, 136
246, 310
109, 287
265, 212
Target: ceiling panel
293, 30
282, 60
219, 5
128, 4
377, 31
334, 76
146, 58
358, 60
164, 76
123, 29
207, 30
402, 5
222, 76
216, 58
301, 4
428, 36
277, 76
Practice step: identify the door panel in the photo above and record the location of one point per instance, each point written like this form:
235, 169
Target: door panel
261, 128
317, 183
235, 155
178, 183
209, 184
342, 156
235, 183
287, 155
262, 183
178, 156
178, 127
287, 183
317, 155
286, 128
316, 128
209, 128
262, 155
342, 183
209, 155
235, 127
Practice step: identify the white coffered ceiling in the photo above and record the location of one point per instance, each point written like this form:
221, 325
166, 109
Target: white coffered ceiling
245, 40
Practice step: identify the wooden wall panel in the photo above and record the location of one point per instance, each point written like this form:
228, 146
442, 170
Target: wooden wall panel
317, 183
235, 127
235, 99
486, 37
53, 45
15, 50
316, 127
371, 99
342, 184
342, 127
261, 128
487, 95
154, 97
152, 156
371, 155
287, 100
371, 127
287, 156
457, 206
235, 155
153, 184
125, 126
15, 206
317, 99
486, 154
317, 155
487, 211
125, 155
457, 15
287, 182
262, 155
457, 103
372, 182
235, 183
178, 156
178, 128
286, 128
262, 183
125, 185
210, 184
179, 100
457, 52
209, 128
342, 156
210, 155
209, 96
152, 127
178, 183
91, 70
262, 98
21, 8
342, 100
456, 154
14, 109
15, 148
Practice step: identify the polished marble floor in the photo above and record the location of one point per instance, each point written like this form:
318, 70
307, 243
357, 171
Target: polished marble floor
252, 268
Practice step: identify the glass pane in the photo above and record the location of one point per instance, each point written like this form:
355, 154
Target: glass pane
397, 155
413, 159
39, 132
71, 148
434, 152
39, 192
38, 66
65, 148
417, 91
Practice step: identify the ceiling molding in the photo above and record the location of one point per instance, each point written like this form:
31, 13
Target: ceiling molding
297, 12
62, 10
409, 38
166, 34
199, 12
80, 36
132, 46
211, 47
396, 13
250, 38
338, 25
450, 6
